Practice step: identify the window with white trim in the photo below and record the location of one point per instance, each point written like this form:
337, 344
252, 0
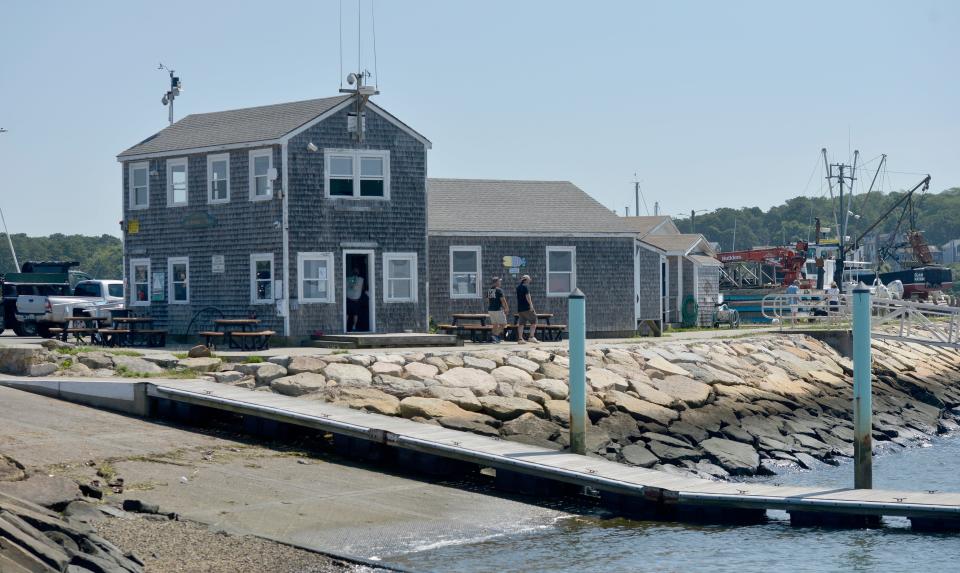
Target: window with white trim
177, 182
400, 277
358, 174
561, 270
261, 160
218, 178
139, 282
261, 278
139, 185
178, 280
316, 277
465, 276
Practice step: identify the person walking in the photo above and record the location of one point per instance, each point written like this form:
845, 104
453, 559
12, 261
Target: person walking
793, 299
497, 308
833, 298
525, 311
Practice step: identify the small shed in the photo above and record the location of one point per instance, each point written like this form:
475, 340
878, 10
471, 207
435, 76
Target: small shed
691, 269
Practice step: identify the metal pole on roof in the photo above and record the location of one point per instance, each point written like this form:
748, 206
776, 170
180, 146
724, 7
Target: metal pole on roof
578, 372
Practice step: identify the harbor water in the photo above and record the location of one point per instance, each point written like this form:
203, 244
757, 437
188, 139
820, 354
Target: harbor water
594, 541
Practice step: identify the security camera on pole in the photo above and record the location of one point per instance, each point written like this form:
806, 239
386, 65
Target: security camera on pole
175, 88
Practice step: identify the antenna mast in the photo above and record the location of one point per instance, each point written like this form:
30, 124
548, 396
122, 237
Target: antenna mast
175, 88
16, 263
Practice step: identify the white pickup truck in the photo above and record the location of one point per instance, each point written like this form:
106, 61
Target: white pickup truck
38, 314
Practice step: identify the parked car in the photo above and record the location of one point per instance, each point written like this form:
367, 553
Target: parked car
36, 278
39, 313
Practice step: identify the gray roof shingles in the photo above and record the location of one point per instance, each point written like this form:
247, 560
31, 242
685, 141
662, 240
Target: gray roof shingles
235, 126
491, 206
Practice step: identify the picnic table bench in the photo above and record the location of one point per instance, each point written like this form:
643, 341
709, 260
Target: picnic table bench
80, 327
238, 333
134, 334
475, 328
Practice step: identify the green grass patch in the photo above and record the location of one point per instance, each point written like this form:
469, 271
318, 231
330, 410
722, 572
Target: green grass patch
341, 351
253, 360
73, 351
66, 364
106, 471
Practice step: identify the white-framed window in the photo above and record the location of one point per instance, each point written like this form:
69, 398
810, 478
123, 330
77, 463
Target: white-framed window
261, 278
177, 182
139, 185
561, 270
400, 277
261, 161
140, 282
178, 280
218, 178
316, 277
356, 174
465, 277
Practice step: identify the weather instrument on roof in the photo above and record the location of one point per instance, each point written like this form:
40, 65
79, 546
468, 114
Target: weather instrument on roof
363, 93
175, 88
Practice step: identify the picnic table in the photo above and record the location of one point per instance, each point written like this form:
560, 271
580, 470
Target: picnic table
482, 318
475, 327
239, 333
132, 331
546, 330
80, 327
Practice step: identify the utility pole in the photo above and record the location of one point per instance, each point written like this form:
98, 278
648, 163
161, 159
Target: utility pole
636, 197
175, 88
841, 177
693, 226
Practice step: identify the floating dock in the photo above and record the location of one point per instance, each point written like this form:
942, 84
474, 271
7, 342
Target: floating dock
542, 471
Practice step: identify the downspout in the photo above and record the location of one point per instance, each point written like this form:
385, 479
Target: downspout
426, 218
679, 285
286, 240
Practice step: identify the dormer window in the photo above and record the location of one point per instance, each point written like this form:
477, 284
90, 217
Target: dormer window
357, 174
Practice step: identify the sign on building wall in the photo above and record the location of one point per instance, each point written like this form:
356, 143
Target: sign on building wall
218, 266
514, 264
156, 289
133, 226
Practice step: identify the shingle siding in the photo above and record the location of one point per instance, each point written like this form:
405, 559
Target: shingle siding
649, 291
604, 268
242, 227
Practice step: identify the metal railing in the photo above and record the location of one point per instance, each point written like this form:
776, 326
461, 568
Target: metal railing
908, 321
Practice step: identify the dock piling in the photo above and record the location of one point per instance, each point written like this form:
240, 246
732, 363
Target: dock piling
578, 372
862, 391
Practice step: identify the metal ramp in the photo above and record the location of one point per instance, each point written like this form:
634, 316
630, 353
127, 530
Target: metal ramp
905, 321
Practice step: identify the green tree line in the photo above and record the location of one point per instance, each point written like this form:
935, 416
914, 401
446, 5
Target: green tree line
937, 216
101, 257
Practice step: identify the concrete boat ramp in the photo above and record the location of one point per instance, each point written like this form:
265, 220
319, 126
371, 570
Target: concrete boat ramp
523, 468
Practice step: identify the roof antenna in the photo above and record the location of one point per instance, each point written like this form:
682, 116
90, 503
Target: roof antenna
175, 88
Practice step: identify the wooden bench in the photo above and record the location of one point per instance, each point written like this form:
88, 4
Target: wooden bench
210, 336
258, 340
149, 337
477, 332
113, 336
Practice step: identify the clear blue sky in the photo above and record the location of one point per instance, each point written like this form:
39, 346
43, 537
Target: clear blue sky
712, 103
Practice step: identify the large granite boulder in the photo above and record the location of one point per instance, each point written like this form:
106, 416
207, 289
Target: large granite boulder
684, 389
503, 408
389, 368
420, 371
511, 375
197, 364
300, 364
95, 360
416, 406
601, 380
556, 389
348, 374
639, 455
462, 397
658, 366
735, 457
640, 409
135, 365
528, 366
369, 399
298, 384
399, 387
478, 381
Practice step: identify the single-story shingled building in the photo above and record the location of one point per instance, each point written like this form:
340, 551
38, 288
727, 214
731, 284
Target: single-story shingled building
553, 231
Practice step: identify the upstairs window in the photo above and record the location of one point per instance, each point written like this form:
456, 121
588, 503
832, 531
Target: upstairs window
400, 277
561, 270
465, 272
218, 178
363, 174
261, 161
178, 271
176, 182
139, 185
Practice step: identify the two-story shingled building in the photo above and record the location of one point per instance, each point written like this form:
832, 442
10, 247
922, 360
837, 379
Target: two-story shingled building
277, 210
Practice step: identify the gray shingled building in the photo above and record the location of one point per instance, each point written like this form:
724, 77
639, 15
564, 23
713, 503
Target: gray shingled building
551, 230
269, 210
690, 269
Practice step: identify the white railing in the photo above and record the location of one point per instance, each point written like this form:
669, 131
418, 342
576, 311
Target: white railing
923, 323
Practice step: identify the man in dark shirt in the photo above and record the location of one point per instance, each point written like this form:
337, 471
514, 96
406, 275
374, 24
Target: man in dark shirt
525, 311
497, 309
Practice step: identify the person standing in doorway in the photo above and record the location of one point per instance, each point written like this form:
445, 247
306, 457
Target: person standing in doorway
833, 298
525, 311
497, 308
354, 297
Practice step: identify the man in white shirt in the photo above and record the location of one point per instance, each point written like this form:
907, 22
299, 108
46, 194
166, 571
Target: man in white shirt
833, 298
354, 296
